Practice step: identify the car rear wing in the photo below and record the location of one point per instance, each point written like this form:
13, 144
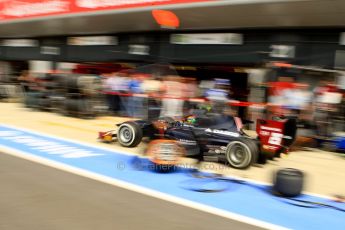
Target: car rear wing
276, 135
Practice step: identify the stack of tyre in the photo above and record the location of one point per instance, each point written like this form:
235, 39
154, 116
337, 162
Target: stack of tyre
82, 93
32, 100
9, 89
41, 99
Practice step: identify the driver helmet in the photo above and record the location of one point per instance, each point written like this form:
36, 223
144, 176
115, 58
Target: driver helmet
191, 119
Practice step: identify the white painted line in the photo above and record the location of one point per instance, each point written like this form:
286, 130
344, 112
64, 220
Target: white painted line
69, 140
132, 154
140, 189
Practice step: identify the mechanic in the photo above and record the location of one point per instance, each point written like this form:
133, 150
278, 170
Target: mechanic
26, 80
219, 95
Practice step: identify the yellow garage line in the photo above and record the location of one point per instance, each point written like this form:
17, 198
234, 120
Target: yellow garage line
69, 126
99, 121
96, 123
107, 118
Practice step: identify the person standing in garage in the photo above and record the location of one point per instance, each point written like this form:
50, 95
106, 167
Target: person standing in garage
26, 80
110, 86
135, 102
172, 102
219, 95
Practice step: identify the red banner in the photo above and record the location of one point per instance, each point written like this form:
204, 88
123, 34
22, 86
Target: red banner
18, 9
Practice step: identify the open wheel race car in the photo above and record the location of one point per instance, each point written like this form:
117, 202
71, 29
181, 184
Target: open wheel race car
214, 136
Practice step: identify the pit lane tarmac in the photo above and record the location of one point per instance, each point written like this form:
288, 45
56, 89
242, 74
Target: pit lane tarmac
36, 197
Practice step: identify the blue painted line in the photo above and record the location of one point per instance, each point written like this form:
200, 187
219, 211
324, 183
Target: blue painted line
249, 199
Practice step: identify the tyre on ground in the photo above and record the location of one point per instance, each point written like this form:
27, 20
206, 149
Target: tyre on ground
288, 182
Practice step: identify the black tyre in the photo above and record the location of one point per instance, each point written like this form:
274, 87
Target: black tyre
89, 85
255, 150
72, 84
129, 134
78, 106
329, 146
241, 153
288, 182
44, 103
32, 100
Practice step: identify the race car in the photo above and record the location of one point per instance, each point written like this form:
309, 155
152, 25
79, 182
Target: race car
217, 137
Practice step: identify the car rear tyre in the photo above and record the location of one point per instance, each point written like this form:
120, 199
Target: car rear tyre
241, 154
129, 134
254, 149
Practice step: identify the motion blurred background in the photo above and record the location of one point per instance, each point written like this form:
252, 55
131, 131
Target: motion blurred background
138, 58
128, 59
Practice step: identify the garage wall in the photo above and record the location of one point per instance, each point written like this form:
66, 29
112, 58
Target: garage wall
310, 47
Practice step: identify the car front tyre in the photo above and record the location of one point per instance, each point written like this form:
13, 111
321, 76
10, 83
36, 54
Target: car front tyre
129, 134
